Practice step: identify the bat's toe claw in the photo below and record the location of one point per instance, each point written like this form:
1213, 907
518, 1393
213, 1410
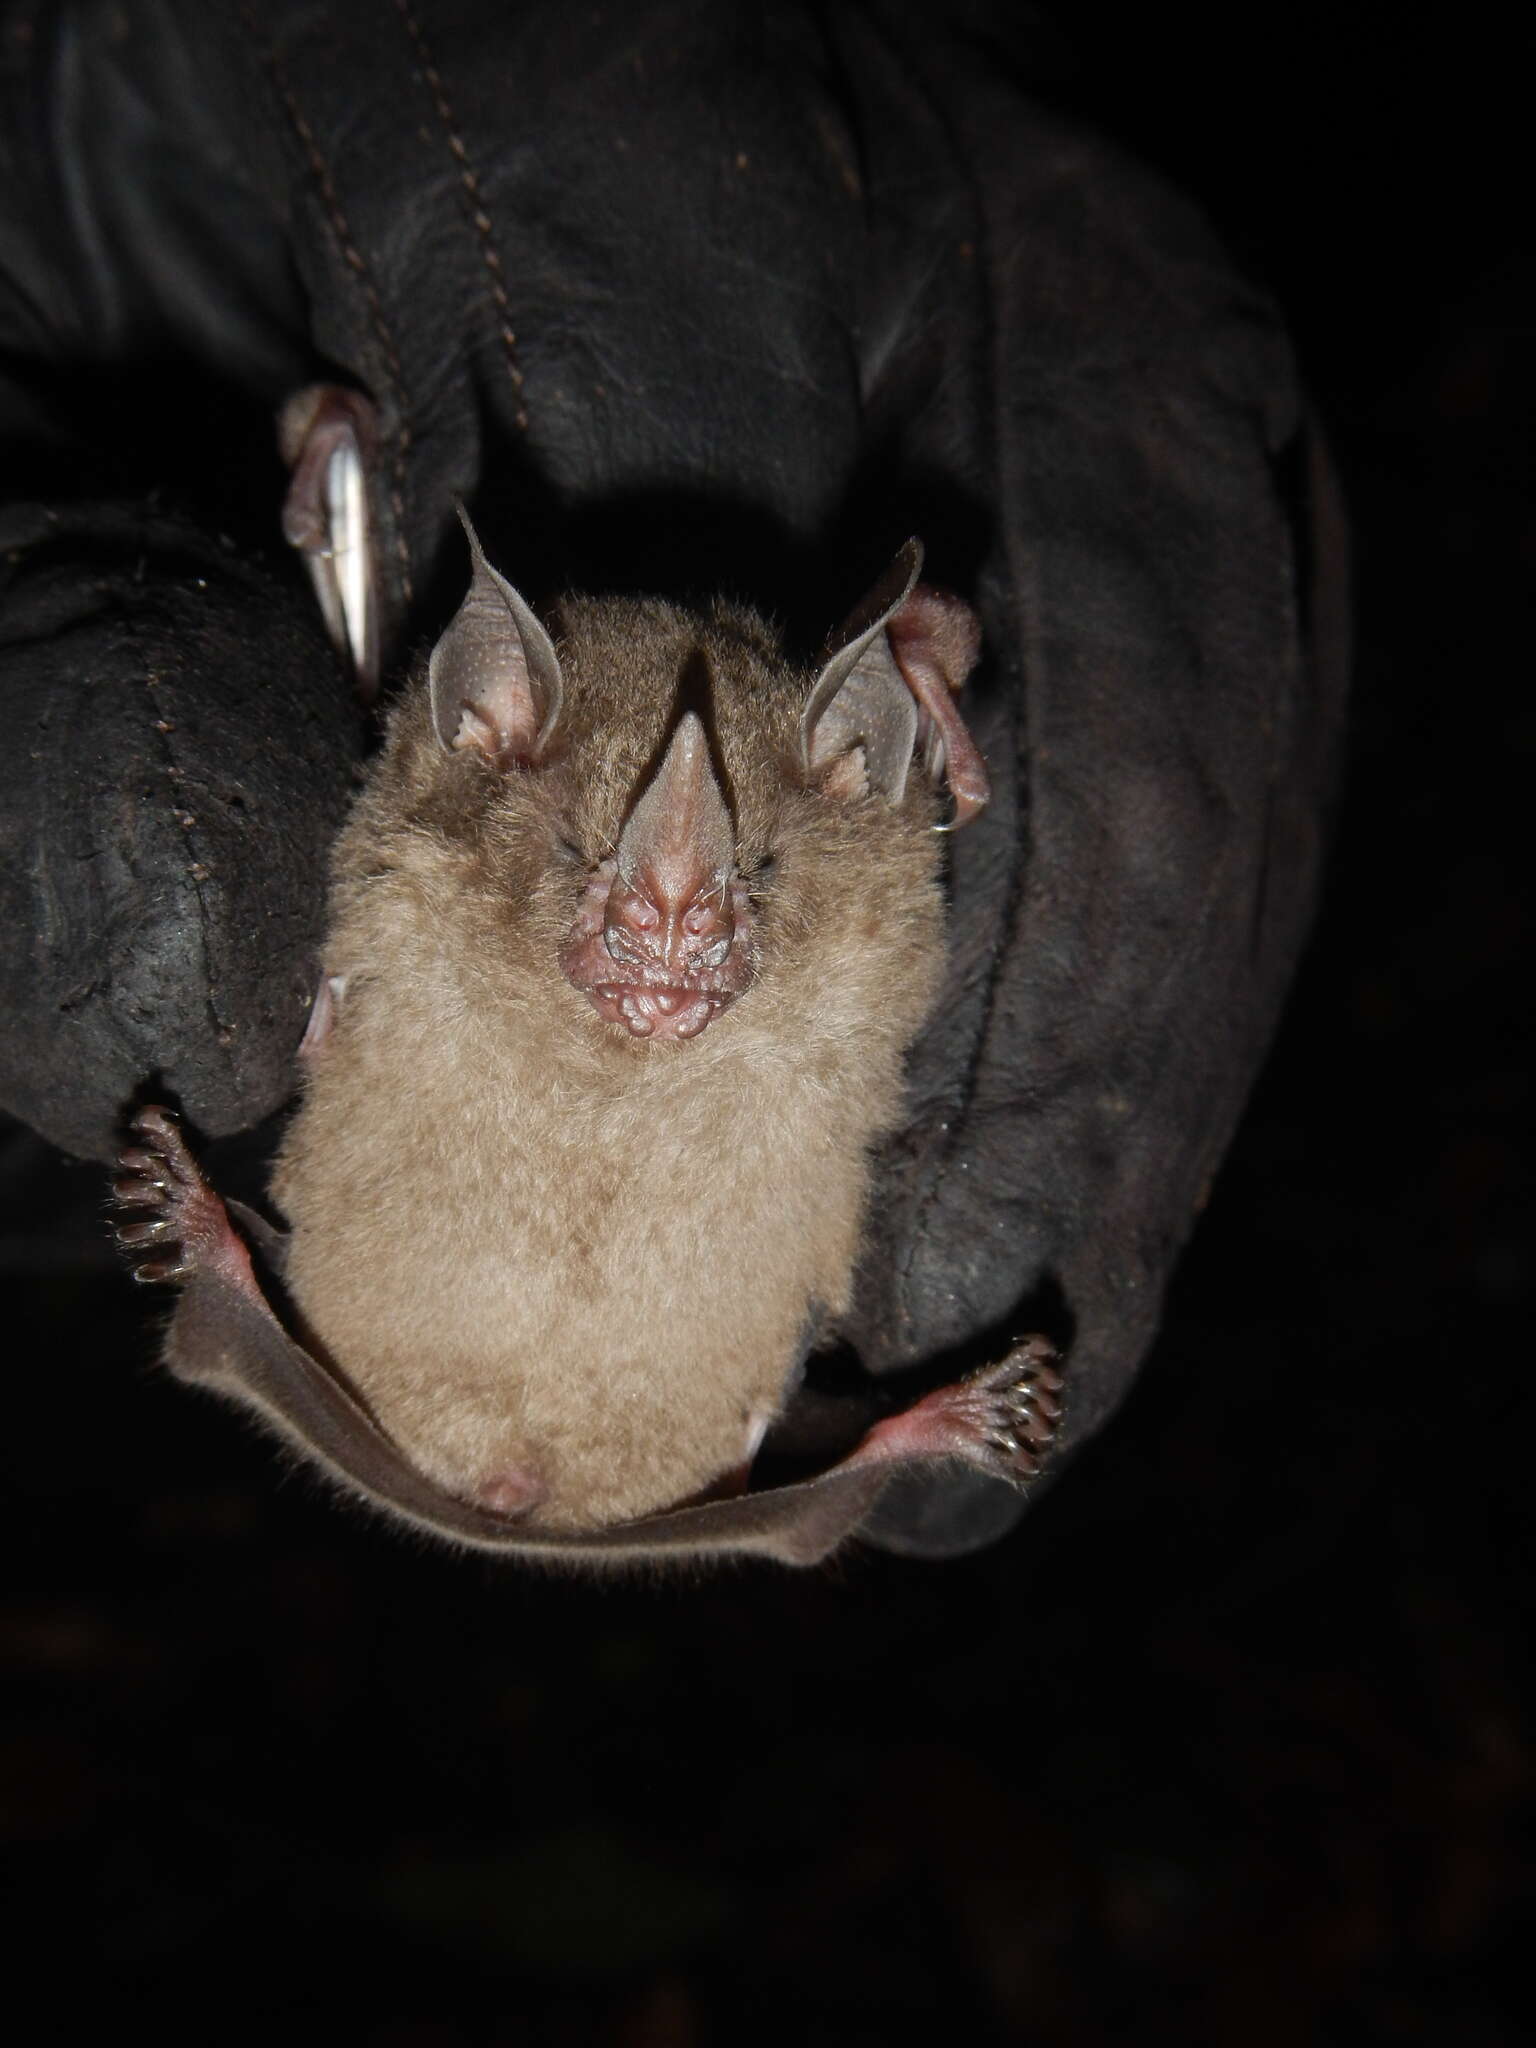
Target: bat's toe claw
135, 1159
151, 1230
151, 1272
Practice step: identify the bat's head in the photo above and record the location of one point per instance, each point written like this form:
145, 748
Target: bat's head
631, 930
659, 811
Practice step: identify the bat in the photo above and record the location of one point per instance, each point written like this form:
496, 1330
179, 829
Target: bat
630, 932
847, 280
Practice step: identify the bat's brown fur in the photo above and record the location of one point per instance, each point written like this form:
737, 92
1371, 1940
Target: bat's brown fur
545, 1252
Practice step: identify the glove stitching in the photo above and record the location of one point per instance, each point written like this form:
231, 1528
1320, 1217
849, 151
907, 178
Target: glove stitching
197, 871
357, 264
475, 208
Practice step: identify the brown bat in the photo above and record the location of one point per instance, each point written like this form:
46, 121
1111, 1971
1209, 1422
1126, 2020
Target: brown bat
630, 932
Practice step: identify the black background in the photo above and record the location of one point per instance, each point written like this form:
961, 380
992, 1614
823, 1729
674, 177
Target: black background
1233, 1740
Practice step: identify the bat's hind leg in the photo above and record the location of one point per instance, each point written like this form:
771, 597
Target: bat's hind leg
1002, 1420
176, 1225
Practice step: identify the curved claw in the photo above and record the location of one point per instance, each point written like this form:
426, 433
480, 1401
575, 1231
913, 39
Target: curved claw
136, 1159
149, 1232
153, 1271
327, 436
1001, 1419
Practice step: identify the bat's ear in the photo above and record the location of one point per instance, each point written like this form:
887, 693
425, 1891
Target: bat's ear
860, 723
889, 692
494, 678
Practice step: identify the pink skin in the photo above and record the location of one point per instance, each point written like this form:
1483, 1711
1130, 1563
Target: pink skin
662, 955
511, 1493
936, 639
1001, 1419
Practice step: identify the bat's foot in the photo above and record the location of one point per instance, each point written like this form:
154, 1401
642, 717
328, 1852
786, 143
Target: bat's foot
1002, 1420
175, 1222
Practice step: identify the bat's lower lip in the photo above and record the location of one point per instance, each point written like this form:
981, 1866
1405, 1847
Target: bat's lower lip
657, 1010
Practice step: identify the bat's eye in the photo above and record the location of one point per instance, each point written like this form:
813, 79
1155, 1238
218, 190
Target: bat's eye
567, 850
761, 875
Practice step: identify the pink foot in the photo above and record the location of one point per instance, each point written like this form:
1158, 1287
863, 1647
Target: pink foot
185, 1228
1001, 1419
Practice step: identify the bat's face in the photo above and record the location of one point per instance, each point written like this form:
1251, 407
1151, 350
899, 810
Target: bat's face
627, 945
